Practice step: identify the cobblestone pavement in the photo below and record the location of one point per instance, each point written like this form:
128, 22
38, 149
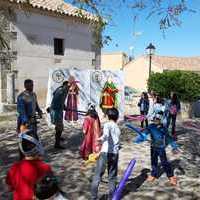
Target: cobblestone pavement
76, 180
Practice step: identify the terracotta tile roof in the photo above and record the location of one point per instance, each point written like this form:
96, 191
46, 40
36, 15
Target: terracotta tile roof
59, 6
180, 63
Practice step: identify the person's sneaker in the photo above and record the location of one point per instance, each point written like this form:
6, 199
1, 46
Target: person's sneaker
151, 178
59, 147
173, 180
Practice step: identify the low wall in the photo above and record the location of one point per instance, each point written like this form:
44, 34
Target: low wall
186, 110
131, 106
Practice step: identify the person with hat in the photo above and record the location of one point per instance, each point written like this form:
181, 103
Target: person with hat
160, 138
91, 131
108, 97
24, 174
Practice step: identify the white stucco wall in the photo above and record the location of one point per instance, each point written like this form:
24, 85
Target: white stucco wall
113, 61
137, 73
35, 48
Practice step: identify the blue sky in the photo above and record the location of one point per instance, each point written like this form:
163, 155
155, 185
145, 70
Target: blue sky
178, 41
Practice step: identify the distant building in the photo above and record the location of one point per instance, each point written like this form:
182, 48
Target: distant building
113, 60
137, 71
47, 34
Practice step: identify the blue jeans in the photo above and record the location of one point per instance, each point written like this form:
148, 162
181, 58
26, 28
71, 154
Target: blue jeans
111, 160
160, 153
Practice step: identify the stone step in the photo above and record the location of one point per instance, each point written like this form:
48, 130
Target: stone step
7, 108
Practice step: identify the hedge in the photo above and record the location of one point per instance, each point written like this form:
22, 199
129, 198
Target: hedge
186, 84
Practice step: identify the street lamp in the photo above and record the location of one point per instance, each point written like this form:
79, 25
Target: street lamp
150, 51
131, 48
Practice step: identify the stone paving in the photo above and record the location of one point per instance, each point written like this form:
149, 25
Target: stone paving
76, 180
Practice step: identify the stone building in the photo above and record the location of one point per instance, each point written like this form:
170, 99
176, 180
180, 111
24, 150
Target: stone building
46, 34
137, 71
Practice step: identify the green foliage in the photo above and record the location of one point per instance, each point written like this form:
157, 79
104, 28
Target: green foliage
98, 28
186, 84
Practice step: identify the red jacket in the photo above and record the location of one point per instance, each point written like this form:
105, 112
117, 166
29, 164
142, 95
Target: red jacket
23, 176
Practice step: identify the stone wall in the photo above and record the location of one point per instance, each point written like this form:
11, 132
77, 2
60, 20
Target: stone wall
35, 48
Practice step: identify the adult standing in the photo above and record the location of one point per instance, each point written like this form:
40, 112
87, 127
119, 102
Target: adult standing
143, 104
174, 108
71, 113
27, 108
56, 111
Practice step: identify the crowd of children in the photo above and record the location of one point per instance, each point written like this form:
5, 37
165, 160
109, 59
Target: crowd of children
31, 178
170, 107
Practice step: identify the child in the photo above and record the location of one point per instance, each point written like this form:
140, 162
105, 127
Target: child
108, 155
144, 107
23, 175
155, 108
159, 140
91, 131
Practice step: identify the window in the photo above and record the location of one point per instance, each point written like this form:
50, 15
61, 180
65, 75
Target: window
32, 38
13, 35
58, 46
93, 62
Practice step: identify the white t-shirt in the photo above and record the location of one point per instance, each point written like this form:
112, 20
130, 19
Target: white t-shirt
110, 138
154, 109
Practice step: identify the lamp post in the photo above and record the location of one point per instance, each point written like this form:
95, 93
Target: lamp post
131, 48
150, 51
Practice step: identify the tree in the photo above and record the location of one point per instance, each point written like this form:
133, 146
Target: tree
168, 12
186, 84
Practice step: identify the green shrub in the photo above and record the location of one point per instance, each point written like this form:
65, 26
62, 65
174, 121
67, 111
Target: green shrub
186, 84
